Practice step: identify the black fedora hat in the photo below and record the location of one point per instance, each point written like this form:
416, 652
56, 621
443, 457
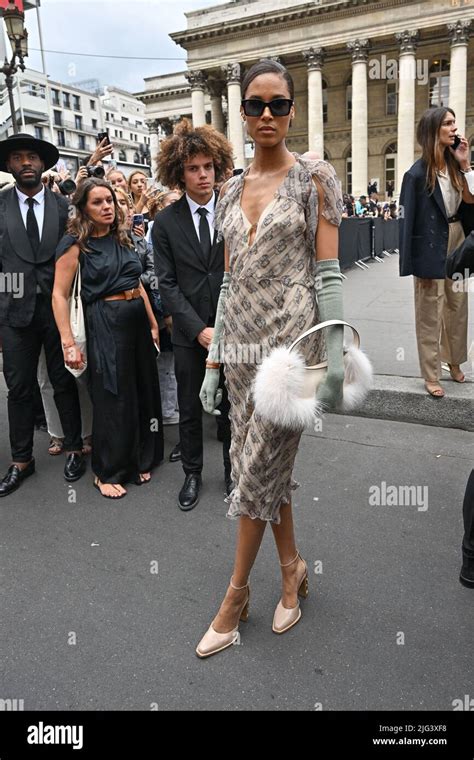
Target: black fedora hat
48, 153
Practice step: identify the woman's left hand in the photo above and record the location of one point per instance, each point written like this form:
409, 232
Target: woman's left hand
329, 392
139, 230
155, 334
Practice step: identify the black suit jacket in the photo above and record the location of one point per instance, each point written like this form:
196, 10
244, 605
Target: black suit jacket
189, 285
17, 257
423, 241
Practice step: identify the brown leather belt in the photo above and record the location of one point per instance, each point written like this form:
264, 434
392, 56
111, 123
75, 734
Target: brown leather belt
125, 295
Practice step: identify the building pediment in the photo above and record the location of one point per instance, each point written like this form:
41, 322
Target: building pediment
259, 18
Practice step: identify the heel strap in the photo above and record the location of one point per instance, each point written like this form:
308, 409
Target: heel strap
237, 588
290, 563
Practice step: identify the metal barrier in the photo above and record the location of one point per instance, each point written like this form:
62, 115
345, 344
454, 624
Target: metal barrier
365, 238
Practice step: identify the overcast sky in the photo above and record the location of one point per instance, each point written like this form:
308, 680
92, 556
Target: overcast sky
112, 27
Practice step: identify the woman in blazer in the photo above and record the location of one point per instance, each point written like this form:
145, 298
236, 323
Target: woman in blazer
430, 228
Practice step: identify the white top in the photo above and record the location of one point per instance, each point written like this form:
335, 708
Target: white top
210, 208
452, 197
38, 207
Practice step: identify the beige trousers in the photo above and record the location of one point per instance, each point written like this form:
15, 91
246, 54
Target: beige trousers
441, 325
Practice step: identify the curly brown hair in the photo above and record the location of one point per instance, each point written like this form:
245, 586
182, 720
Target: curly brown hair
79, 223
185, 143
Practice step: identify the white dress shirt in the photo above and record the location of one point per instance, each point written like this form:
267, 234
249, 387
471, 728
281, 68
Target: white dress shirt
210, 208
38, 207
470, 181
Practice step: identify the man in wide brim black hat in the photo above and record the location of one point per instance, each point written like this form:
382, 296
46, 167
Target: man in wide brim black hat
47, 152
33, 220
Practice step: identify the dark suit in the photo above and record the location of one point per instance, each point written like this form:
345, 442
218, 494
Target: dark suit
423, 228
189, 287
461, 262
27, 323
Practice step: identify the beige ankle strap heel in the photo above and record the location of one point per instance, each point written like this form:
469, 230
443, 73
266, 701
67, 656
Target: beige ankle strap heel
285, 618
212, 641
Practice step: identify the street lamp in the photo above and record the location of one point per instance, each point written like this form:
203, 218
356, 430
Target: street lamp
18, 36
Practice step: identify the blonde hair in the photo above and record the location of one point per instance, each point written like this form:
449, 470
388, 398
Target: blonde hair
124, 194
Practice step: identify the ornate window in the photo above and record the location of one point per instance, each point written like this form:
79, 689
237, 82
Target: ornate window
391, 163
122, 155
349, 174
439, 82
391, 98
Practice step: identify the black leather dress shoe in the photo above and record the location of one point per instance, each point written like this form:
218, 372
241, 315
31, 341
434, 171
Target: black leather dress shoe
175, 455
14, 477
74, 468
189, 494
467, 572
229, 483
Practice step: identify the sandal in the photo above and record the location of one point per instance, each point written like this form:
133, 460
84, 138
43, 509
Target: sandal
141, 480
87, 445
98, 484
436, 391
458, 376
55, 446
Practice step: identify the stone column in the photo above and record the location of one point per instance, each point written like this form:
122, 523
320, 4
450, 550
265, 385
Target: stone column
360, 134
236, 134
217, 114
459, 33
314, 58
153, 126
406, 103
197, 81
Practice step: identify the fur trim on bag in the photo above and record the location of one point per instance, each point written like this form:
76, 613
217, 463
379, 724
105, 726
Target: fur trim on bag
284, 393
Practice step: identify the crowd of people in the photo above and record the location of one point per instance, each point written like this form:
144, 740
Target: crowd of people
368, 207
169, 276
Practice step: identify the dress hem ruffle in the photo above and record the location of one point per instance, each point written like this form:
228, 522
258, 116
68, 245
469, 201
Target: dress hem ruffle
238, 508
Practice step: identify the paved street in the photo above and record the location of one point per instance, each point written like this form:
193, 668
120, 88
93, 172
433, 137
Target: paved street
84, 572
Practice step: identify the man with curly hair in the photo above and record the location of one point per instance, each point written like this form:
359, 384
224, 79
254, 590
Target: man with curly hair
189, 261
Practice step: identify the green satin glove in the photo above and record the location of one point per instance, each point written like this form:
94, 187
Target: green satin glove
211, 394
329, 297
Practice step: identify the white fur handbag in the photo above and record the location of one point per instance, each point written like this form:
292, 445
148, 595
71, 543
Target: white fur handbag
285, 388
78, 325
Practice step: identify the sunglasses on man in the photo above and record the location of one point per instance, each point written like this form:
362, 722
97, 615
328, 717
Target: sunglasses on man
278, 107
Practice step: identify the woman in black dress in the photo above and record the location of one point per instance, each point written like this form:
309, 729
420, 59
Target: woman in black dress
127, 436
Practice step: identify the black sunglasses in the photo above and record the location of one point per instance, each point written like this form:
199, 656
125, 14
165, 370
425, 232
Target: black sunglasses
278, 107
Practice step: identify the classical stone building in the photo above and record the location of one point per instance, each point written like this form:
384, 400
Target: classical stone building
364, 70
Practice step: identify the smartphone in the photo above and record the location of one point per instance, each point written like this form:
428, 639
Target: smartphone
456, 143
101, 137
157, 349
137, 219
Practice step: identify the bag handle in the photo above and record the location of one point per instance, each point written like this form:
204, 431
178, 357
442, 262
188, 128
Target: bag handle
321, 326
76, 285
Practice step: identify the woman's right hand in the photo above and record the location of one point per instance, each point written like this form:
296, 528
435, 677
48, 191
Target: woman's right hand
73, 357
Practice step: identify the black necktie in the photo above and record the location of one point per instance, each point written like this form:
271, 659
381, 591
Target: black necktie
204, 234
32, 229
